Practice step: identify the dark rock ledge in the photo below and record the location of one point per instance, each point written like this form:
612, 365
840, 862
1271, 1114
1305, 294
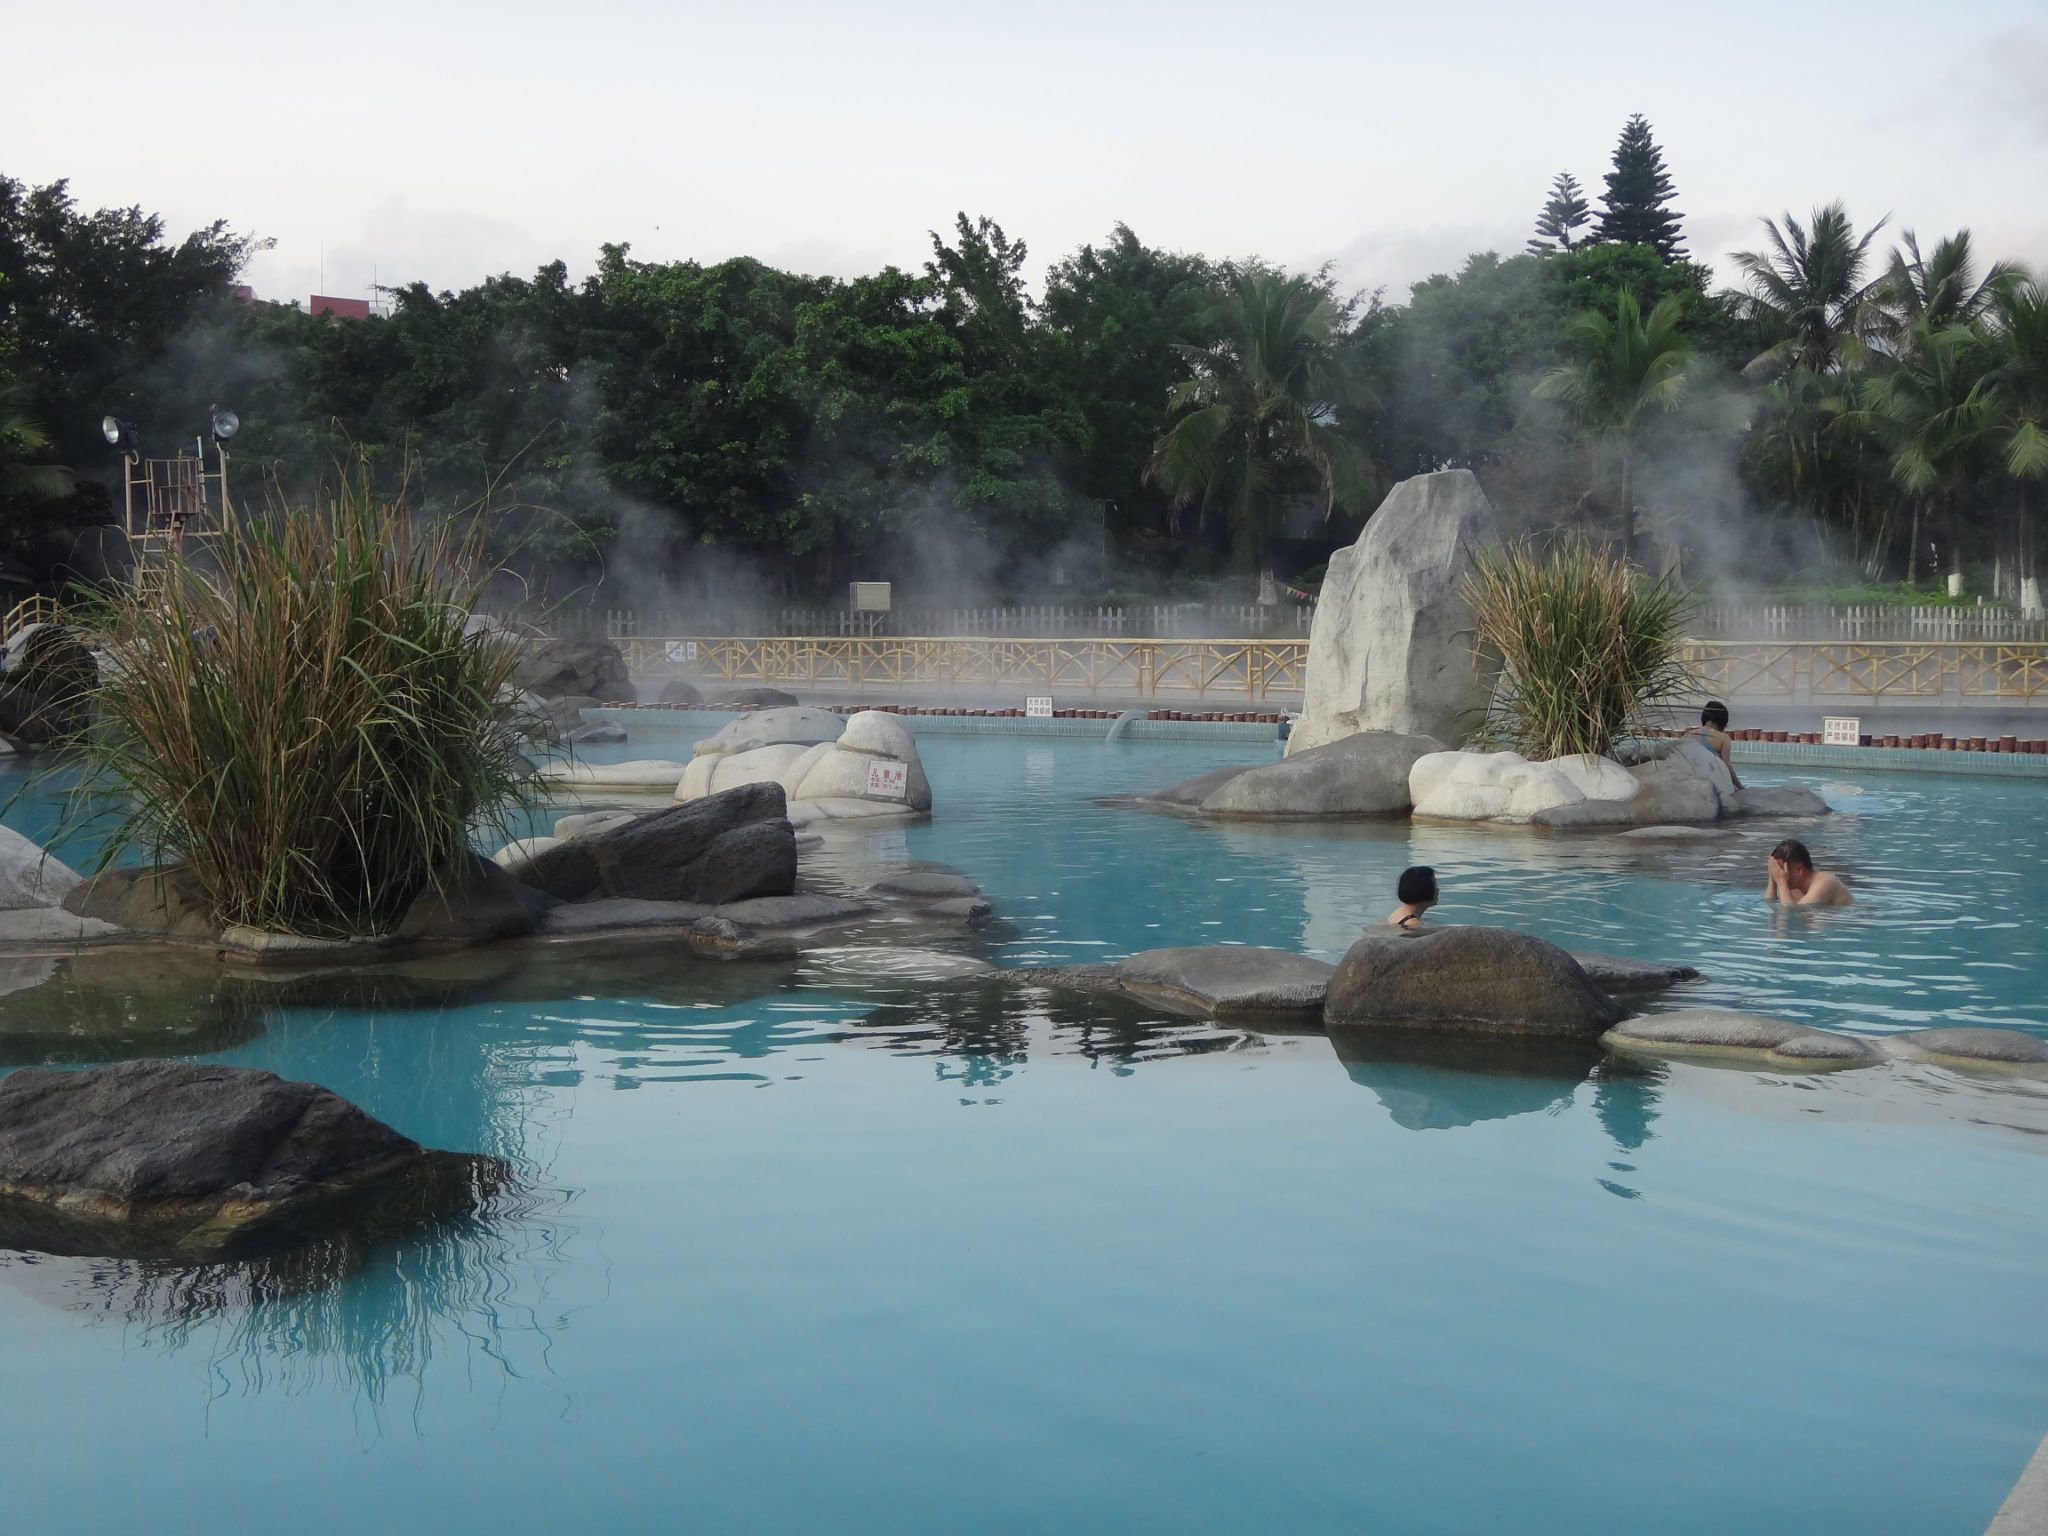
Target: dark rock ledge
177, 1160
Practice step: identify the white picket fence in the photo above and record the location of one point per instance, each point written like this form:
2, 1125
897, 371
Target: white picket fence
1162, 621
1867, 622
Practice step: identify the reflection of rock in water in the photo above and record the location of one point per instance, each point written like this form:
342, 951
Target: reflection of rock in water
364, 1310
1437, 1082
102, 1005
1625, 1099
994, 1024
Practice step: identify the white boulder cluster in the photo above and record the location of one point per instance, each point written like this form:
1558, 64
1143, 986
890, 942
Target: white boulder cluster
832, 767
1668, 783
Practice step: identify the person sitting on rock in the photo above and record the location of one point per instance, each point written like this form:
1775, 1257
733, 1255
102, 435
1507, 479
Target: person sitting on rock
1417, 890
1794, 881
1713, 733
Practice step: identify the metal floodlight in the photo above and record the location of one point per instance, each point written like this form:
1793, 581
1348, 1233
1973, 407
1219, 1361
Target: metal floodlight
112, 430
225, 425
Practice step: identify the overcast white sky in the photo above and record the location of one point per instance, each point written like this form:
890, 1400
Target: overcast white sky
444, 139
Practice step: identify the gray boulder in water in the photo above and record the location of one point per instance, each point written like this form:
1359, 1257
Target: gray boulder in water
189, 1160
1391, 645
1485, 980
1365, 774
725, 847
479, 901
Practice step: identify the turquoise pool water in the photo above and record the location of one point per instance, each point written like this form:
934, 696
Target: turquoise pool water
811, 1249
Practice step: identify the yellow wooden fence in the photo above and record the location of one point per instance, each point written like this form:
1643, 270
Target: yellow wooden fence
1930, 672
1253, 669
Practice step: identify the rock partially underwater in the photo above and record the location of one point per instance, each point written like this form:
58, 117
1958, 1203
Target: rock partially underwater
1365, 774
1476, 980
727, 847
1725, 1031
180, 1160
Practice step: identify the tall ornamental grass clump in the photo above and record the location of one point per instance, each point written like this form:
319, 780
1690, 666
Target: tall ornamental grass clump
1586, 643
308, 724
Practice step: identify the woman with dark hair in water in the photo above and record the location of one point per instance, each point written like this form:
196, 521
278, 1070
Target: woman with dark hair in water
1417, 890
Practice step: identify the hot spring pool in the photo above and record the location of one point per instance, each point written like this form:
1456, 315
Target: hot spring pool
811, 1248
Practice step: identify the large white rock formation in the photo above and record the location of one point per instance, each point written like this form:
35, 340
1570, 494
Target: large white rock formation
1666, 783
1391, 646
830, 768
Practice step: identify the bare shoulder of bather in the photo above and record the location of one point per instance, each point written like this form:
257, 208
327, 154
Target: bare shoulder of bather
1826, 890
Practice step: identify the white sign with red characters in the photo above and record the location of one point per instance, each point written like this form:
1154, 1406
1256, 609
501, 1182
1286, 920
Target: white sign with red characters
1038, 709
1841, 731
888, 779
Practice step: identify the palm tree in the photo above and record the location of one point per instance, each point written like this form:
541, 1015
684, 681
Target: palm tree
1937, 397
1263, 399
2019, 382
1924, 296
1626, 367
1808, 292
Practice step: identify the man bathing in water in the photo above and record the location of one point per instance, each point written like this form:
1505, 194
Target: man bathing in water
1794, 881
1713, 733
1417, 890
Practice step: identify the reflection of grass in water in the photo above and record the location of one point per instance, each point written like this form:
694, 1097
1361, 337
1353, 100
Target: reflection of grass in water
360, 1312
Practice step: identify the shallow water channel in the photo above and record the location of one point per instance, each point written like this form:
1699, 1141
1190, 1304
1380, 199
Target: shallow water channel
860, 1243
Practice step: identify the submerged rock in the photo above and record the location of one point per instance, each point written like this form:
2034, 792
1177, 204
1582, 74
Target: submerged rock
1726, 1031
185, 1160
757, 698
1490, 980
1189, 794
642, 773
1981, 1045
726, 847
1209, 981
1228, 980
1621, 973
1776, 800
1391, 645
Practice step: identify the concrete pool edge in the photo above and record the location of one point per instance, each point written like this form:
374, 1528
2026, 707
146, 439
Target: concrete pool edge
2025, 1510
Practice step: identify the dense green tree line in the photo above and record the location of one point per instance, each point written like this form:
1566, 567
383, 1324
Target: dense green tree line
1145, 420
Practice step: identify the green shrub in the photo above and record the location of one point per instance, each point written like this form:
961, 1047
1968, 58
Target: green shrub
1586, 644
306, 722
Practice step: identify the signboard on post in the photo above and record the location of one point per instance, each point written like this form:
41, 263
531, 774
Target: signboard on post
1038, 709
869, 596
680, 650
888, 779
1841, 731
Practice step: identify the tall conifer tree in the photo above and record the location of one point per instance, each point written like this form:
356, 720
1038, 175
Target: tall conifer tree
1565, 212
1638, 207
